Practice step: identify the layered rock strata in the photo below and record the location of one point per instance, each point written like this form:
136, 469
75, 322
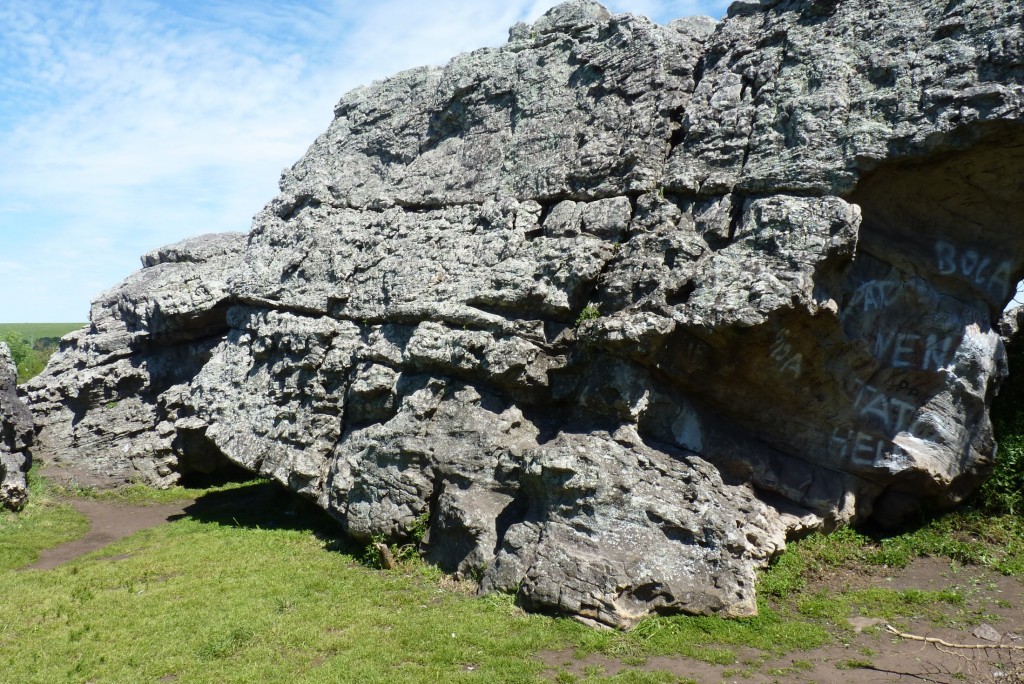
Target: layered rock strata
15, 436
109, 407
618, 306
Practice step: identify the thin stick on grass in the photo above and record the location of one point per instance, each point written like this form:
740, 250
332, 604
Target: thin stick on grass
940, 642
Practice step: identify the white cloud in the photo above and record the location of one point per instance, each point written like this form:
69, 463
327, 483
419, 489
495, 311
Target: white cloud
129, 125
666, 10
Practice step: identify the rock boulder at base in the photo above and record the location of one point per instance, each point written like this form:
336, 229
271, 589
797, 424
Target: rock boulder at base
15, 436
617, 306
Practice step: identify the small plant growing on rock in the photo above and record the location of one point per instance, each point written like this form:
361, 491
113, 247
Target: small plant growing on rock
419, 527
589, 313
417, 531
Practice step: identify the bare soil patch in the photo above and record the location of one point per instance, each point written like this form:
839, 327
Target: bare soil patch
108, 522
863, 651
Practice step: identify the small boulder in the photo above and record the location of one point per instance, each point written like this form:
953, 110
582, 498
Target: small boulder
15, 436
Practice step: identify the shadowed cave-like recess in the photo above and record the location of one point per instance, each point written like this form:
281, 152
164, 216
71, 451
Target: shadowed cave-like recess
941, 250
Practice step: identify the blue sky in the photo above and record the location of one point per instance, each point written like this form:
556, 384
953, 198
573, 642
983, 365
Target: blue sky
126, 125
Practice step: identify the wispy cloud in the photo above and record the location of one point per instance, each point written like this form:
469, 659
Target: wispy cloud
129, 125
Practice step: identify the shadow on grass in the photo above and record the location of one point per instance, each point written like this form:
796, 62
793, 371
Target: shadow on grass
266, 505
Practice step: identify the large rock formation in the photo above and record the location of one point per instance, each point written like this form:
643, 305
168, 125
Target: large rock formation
619, 306
109, 404
15, 436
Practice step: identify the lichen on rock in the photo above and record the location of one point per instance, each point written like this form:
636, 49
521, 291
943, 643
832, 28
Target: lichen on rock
792, 231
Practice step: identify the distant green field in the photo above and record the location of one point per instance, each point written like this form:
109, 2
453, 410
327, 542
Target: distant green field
32, 344
33, 331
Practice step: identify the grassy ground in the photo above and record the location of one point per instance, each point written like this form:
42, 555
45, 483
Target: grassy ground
256, 585
967, 536
32, 331
44, 523
809, 578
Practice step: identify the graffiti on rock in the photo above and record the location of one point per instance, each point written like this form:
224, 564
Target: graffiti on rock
996, 278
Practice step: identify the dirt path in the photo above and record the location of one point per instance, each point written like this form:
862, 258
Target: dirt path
108, 522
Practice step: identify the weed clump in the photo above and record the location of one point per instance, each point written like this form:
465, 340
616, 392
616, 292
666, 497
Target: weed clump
30, 361
589, 313
382, 556
1003, 493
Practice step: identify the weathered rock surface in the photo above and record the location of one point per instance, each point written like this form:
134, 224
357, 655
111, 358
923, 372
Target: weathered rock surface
109, 403
798, 226
15, 436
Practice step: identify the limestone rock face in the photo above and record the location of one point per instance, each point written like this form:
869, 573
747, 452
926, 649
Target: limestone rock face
109, 404
618, 306
15, 436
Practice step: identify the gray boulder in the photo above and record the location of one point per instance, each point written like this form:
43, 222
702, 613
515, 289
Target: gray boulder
618, 306
15, 436
108, 406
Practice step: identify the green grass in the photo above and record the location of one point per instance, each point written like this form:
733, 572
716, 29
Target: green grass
42, 524
237, 593
878, 602
140, 494
708, 638
968, 536
257, 585
965, 537
32, 331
